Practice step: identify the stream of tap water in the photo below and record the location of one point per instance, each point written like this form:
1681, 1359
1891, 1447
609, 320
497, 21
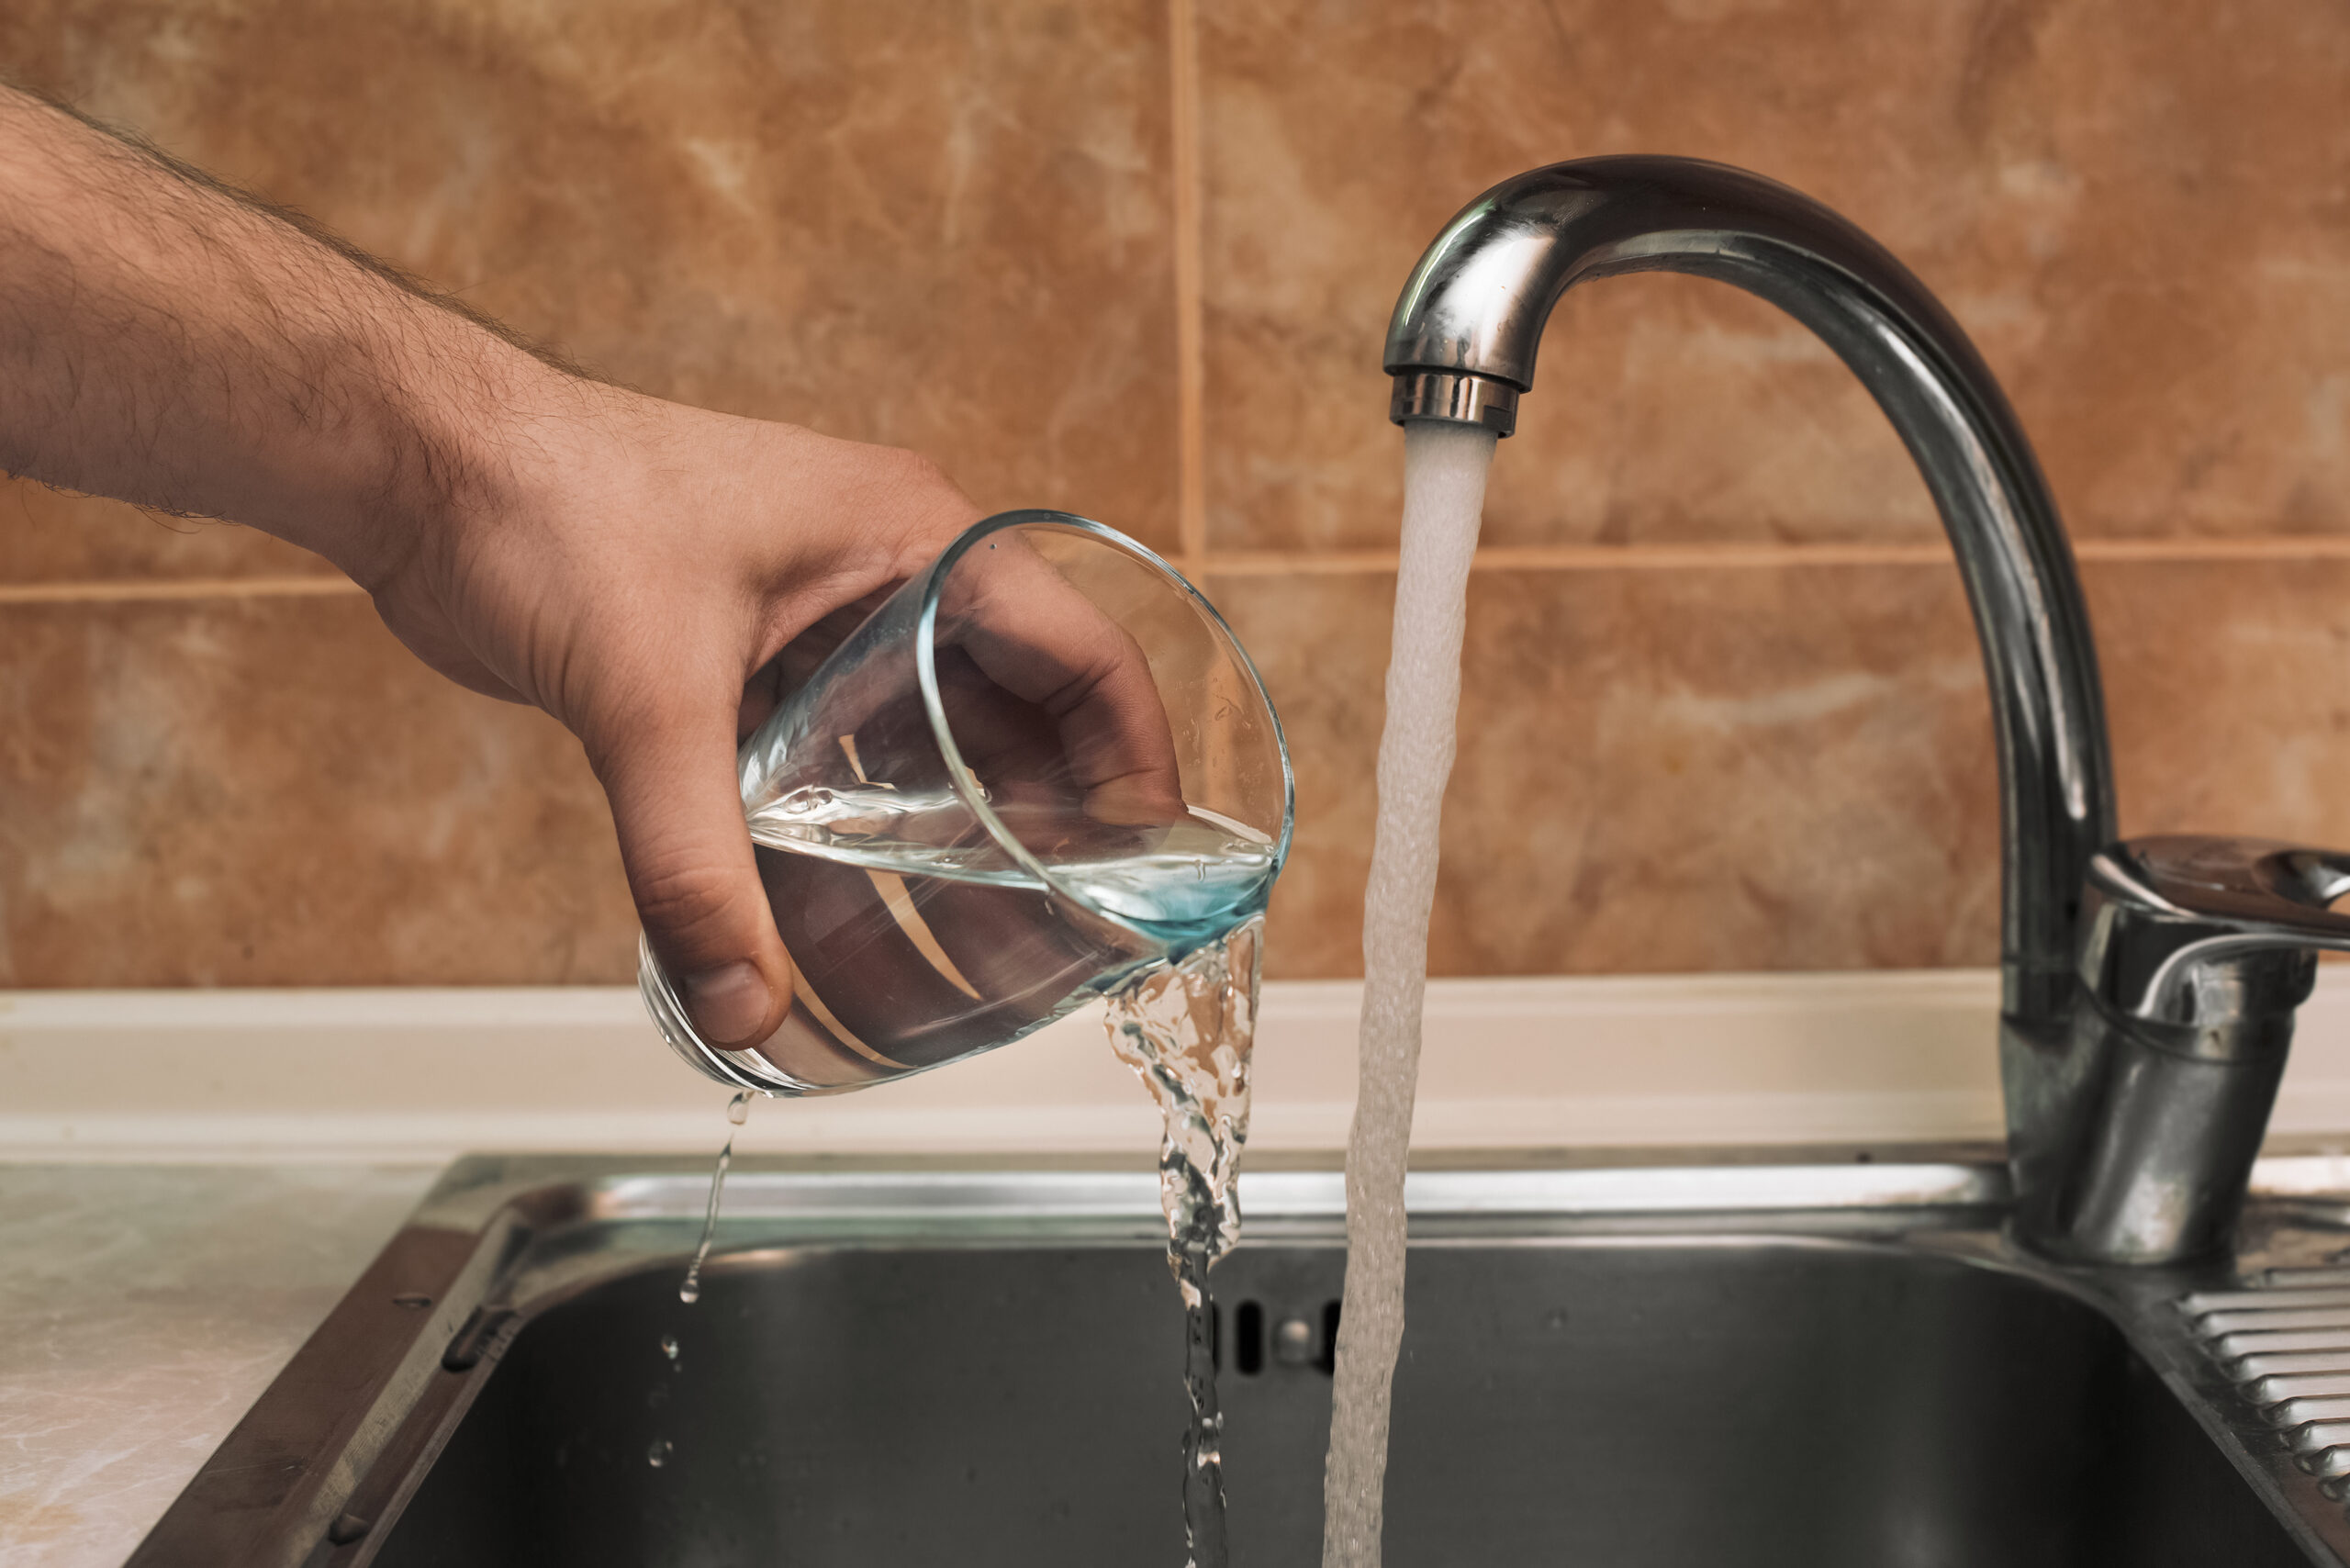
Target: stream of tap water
1187, 1028
1444, 499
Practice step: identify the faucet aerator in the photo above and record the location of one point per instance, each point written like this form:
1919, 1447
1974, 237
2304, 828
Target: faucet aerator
1454, 397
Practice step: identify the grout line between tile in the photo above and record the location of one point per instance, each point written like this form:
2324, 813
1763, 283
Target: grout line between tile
1734, 557
1581, 558
1200, 561
115, 593
2243, 547
1190, 453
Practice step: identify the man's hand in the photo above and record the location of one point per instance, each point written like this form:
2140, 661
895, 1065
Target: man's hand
628, 564
631, 567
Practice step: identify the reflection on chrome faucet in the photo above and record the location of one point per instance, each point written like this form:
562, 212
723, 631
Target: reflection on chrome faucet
2133, 1112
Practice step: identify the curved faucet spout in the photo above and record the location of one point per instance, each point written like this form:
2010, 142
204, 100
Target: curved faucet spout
1462, 347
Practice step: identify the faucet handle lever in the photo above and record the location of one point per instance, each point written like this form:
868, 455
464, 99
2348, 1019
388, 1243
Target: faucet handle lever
2209, 931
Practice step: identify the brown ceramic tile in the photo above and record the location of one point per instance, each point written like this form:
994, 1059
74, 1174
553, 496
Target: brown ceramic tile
274, 792
932, 225
2225, 687
1773, 769
1658, 771
2138, 212
1719, 770
47, 536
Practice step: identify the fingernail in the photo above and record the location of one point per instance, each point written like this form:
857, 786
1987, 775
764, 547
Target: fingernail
728, 1004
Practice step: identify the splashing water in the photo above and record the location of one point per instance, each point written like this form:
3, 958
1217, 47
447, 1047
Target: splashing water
1444, 497
1186, 1029
738, 1111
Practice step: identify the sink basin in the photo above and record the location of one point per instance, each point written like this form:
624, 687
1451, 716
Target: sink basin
1738, 1364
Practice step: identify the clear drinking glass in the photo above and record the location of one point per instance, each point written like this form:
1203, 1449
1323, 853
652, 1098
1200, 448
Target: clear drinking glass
1042, 767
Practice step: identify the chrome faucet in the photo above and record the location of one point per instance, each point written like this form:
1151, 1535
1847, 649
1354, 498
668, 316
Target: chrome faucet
2147, 989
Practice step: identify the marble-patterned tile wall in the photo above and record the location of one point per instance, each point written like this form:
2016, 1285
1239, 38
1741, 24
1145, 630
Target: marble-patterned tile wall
1135, 259
945, 227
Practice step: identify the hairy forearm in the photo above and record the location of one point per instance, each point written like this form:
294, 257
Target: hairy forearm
169, 342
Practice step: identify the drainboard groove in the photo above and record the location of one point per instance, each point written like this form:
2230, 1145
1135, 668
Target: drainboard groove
2266, 1391
2335, 1319
2244, 1342
2303, 1409
2284, 1341
2319, 1437
2252, 1368
2267, 1299
2292, 1278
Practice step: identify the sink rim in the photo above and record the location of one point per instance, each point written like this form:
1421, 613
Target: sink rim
367, 1404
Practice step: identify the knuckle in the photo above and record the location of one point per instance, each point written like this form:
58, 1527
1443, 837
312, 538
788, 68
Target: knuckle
925, 486
916, 472
694, 904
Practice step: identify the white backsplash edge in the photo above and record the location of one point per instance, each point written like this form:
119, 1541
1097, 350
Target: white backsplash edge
1881, 1056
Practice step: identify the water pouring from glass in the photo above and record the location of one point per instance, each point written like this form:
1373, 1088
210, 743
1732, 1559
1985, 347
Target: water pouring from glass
1043, 773
1041, 769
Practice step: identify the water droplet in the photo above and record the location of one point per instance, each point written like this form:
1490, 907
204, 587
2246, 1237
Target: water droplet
738, 1110
658, 1454
669, 1347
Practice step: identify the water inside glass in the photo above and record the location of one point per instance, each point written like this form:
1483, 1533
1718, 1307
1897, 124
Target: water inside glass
1039, 770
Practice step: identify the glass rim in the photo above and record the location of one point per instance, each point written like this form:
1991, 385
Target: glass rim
958, 772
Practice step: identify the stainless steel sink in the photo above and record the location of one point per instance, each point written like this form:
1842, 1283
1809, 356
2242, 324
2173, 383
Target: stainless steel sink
1727, 1364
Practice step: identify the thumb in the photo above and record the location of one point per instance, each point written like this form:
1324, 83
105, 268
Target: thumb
670, 779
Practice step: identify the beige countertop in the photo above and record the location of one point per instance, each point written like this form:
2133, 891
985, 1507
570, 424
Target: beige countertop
142, 1309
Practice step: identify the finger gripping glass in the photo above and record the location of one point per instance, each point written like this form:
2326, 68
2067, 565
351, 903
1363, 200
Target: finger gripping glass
1042, 766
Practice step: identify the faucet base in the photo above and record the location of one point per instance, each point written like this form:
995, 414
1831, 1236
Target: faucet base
2153, 1158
